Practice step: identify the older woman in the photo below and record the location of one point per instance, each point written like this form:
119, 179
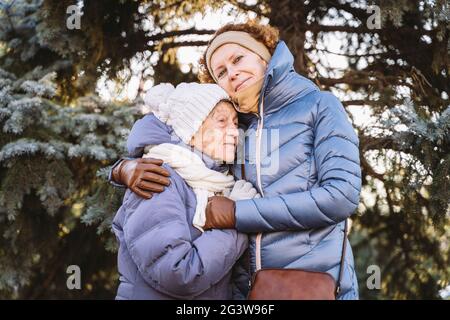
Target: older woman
164, 252
300, 151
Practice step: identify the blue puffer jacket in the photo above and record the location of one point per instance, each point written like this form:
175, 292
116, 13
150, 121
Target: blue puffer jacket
307, 168
302, 154
161, 255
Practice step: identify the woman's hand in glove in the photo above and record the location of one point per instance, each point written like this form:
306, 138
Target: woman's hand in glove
242, 190
144, 176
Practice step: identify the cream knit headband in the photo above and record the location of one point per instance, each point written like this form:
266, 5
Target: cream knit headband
241, 38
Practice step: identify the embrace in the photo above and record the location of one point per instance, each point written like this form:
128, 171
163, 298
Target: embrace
254, 168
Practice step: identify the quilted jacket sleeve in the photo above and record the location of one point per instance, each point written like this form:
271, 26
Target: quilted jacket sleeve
146, 131
159, 240
336, 195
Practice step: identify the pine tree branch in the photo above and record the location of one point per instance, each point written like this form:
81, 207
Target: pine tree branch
316, 28
373, 234
176, 33
245, 7
6, 8
346, 80
369, 170
357, 102
374, 143
348, 55
357, 13
170, 45
175, 4
362, 15
360, 77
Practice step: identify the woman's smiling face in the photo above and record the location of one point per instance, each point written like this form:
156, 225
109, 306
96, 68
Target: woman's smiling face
236, 67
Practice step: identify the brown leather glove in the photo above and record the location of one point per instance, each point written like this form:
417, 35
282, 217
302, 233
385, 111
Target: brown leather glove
220, 213
144, 176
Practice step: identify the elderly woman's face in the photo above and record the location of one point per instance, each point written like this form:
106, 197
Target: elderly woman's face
217, 137
236, 67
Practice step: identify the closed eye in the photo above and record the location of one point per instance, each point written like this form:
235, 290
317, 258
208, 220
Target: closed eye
221, 73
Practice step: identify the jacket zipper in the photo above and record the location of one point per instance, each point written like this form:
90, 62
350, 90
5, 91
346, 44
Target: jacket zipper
258, 181
258, 178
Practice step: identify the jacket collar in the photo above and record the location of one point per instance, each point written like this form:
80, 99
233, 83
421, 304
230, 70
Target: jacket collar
281, 83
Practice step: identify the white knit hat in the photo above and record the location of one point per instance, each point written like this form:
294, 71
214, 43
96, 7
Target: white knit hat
184, 107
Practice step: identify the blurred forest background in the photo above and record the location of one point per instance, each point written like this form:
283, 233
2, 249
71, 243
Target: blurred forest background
66, 108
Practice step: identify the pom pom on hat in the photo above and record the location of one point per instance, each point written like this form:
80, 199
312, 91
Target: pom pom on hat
156, 98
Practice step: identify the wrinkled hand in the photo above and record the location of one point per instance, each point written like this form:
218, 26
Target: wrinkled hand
242, 190
144, 176
220, 213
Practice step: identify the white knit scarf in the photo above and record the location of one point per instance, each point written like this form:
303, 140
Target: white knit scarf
204, 181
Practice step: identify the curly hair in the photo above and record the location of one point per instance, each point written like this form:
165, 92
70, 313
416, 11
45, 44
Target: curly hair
265, 34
